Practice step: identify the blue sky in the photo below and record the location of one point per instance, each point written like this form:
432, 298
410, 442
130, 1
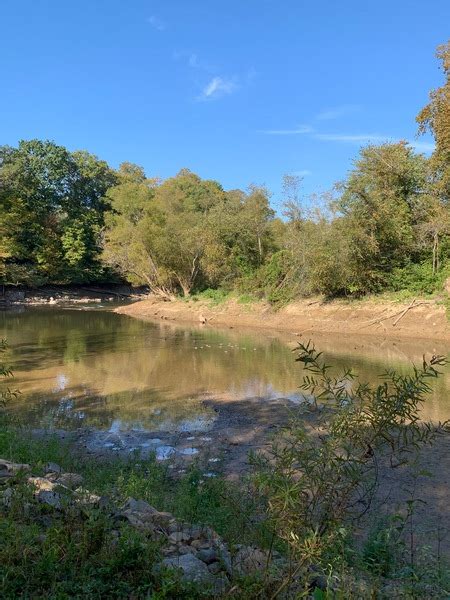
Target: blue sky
241, 91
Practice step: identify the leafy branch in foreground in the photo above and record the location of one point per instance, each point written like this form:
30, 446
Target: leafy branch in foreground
5, 372
318, 479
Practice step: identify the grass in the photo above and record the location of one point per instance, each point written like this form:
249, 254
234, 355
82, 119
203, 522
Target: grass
47, 555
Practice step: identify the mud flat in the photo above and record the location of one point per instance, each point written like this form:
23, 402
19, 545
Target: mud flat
416, 319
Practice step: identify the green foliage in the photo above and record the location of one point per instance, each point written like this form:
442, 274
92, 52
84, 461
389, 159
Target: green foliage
6, 393
419, 278
318, 481
51, 212
67, 217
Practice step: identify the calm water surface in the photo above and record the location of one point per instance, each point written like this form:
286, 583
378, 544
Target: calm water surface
79, 368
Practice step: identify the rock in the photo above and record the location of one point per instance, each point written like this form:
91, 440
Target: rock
168, 550
7, 496
52, 467
214, 568
85, 498
69, 480
184, 549
178, 536
249, 560
225, 558
49, 492
208, 555
42, 484
50, 498
192, 569
144, 517
8, 469
138, 505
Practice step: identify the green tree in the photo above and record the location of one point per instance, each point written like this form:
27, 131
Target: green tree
377, 206
435, 117
51, 213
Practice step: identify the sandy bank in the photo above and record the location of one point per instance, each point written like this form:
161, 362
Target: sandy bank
426, 320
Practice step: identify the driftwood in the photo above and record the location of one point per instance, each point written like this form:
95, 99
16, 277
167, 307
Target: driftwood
413, 303
400, 314
106, 292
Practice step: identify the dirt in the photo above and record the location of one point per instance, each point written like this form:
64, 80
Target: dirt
421, 319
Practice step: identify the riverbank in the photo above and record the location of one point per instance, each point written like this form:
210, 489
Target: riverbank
418, 318
70, 294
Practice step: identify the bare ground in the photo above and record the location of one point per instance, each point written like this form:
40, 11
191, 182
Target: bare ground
418, 319
249, 425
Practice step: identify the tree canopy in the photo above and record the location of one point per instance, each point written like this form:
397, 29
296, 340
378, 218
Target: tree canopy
68, 217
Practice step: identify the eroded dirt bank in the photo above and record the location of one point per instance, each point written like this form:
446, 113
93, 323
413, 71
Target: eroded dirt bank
418, 319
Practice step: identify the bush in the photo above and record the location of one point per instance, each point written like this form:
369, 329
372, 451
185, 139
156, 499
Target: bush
418, 278
317, 483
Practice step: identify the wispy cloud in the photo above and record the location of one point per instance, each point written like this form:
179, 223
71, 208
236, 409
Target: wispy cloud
372, 138
338, 111
352, 138
156, 23
294, 131
422, 146
217, 87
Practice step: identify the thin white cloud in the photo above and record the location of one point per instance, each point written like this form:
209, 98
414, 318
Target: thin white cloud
338, 111
156, 23
217, 87
422, 146
296, 131
372, 138
352, 138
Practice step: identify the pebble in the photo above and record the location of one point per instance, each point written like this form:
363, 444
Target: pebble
164, 452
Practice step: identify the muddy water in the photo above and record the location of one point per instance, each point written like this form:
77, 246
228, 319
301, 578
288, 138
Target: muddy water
93, 368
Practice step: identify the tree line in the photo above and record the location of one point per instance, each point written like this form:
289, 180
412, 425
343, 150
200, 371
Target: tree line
68, 217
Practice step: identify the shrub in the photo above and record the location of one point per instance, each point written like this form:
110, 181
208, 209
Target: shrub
317, 482
418, 278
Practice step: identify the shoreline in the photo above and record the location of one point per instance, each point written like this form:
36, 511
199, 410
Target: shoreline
381, 318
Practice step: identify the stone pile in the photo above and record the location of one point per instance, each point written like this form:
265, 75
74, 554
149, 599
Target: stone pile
197, 552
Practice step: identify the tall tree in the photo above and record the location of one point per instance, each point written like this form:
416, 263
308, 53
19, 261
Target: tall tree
435, 117
51, 212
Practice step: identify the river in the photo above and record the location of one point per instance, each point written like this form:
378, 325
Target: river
93, 368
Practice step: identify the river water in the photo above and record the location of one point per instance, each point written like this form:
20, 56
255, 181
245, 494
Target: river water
94, 368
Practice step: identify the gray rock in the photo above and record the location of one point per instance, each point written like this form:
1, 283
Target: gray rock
214, 568
7, 496
8, 468
139, 505
50, 498
184, 549
52, 467
208, 555
68, 480
249, 560
191, 568
178, 536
